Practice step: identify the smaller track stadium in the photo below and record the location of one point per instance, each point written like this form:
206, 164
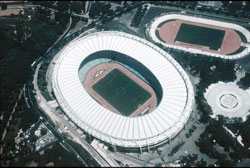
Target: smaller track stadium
199, 35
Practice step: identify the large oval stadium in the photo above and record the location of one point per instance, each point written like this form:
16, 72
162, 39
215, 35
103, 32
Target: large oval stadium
122, 89
200, 35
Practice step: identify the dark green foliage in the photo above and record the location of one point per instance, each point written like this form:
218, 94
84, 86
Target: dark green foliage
176, 148
138, 16
62, 18
189, 160
84, 154
41, 80
42, 15
43, 131
99, 8
62, 6
201, 163
201, 64
15, 61
43, 3
238, 51
234, 6
77, 6
244, 82
225, 3
241, 128
244, 130
215, 131
3, 6
242, 36
190, 131
158, 165
57, 154
210, 70
28, 116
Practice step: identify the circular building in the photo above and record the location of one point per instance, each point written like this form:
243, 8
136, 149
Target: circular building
200, 35
122, 89
228, 99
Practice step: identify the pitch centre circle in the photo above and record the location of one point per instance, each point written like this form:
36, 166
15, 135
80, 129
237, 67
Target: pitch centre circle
120, 91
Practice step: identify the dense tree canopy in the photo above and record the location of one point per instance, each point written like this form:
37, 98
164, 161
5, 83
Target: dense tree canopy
3, 6
99, 8
244, 82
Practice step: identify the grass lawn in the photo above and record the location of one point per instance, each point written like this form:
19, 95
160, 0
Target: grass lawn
158, 36
242, 36
121, 92
162, 23
202, 36
238, 51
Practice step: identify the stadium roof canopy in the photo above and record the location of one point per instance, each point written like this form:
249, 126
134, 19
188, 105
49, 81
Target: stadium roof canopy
147, 130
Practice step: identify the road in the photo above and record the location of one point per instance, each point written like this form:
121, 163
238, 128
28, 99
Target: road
49, 126
25, 97
31, 99
83, 142
130, 159
62, 36
55, 116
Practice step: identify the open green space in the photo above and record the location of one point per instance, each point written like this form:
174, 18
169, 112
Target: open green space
201, 36
121, 92
238, 51
162, 23
242, 36
158, 36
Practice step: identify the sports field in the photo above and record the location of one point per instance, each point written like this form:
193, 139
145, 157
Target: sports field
121, 92
202, 36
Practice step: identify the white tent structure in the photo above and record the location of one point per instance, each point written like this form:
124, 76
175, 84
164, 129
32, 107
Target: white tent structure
148, 130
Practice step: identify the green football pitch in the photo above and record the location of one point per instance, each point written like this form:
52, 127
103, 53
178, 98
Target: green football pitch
121, 92
202, 36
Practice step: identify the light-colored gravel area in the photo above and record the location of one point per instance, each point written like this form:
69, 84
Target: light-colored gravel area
228, 99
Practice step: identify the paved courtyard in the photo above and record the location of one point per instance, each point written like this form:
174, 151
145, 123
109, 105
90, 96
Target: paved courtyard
228, 99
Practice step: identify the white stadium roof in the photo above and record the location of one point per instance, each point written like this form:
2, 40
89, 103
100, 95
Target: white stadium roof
161, 124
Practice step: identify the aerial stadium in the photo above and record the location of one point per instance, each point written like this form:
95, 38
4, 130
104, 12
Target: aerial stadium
200, 36
122, 89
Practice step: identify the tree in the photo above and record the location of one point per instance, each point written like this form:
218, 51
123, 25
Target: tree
158, 165
35, 156
62, 6
201, 163
244, 82
244, 129
99, 8
189, 160
43, 131
225, 4
3, 6
61, 17
77, 7
205, 146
